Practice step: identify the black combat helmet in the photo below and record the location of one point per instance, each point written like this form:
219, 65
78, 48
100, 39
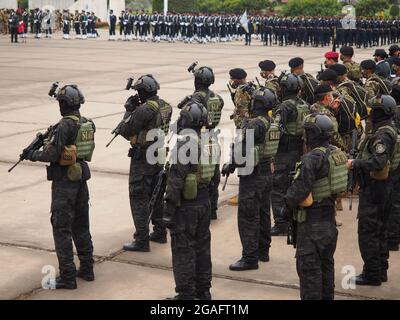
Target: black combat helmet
71, 96
385, 103
318, 126
205, 75
146, 83
192, 116
267, 98
291, 83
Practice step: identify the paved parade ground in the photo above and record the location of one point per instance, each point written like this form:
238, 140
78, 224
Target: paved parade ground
100, 69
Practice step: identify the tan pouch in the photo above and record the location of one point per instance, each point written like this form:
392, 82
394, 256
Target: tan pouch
74, 172
68, 156
382, 174
307, 202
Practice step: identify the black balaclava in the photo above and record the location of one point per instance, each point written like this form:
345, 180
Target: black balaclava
314, 138
144, 95
198, 85
259, 109
66, 109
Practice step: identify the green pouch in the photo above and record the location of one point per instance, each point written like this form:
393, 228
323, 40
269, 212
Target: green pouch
301, 215
190, 187
74, 172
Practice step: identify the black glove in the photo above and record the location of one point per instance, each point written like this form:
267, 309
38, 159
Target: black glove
227, 169
132, 103
169, 215
184, 101
29, 155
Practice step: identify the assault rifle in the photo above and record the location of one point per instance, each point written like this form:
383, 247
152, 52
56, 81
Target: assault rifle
159, 190
352, 174
36, 144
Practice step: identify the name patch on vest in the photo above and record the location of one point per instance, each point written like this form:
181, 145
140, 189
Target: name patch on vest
87, 135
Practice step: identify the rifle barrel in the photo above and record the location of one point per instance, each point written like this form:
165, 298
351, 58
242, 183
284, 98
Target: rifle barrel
226, 180
107, 145
17, 163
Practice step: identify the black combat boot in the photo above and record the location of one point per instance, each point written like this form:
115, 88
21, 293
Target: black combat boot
158, 237
204, 295
384, 276
362, 280
279, 230
136, 246
242, 265
85, 273
65, 284
263, 256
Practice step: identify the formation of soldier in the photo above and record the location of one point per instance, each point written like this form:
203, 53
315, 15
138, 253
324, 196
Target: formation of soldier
307, 31
311, 140
203, 28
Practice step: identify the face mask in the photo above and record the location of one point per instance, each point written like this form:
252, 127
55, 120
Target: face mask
326, 65
376, 59
234, 84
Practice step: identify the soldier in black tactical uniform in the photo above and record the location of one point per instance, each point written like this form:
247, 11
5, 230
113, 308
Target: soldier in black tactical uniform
373, 165
310, 202
145, 112
70, 195
255, 181
290, 114
203, 79
187, 206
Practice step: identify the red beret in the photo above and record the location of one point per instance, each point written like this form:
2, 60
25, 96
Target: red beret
332, 55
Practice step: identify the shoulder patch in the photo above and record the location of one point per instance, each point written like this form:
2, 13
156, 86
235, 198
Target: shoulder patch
380, 148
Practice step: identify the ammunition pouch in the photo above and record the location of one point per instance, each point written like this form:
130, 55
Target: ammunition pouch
74, 172
55, 173
77, 172
190, 187
68, 156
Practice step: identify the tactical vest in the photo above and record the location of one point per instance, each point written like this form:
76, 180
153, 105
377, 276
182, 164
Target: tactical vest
395, 159
85, 138
271, 142
205, 170
162, 120
336, 181
296, 128
214, 108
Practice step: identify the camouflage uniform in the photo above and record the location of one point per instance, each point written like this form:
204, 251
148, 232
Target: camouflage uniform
336, 139
242, 103
373, 87
70, 202
273, 84
353, 71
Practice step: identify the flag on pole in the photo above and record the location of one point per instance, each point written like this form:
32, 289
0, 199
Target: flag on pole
244, 22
